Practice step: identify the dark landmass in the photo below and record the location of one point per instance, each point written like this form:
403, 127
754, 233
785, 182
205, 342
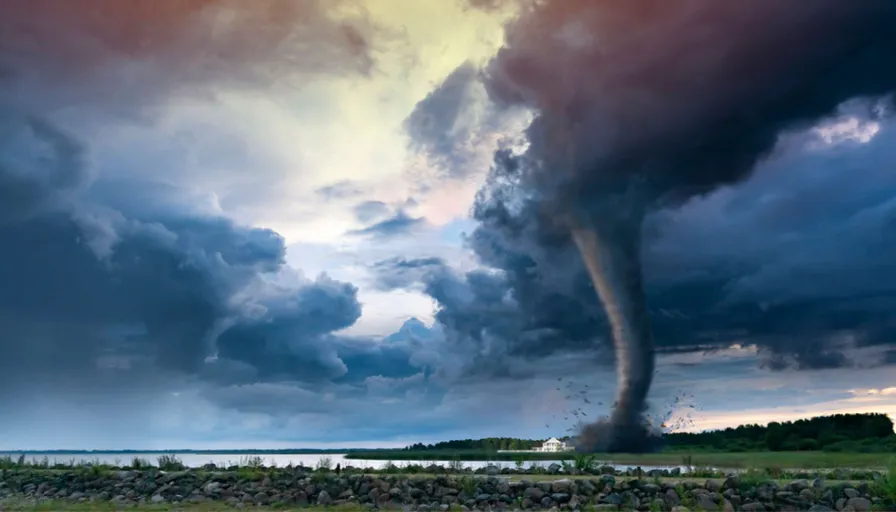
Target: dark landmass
857, 433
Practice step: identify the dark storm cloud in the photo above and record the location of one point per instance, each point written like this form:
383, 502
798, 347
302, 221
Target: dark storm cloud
398, 224
123, 286
890, 356
120, 285
102, 303
440, 124
291, 341
754, 264
94, 295
38, 163
115, 53
605, 101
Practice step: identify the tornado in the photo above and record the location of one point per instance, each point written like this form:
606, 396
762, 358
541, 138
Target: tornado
610, 249
642, 105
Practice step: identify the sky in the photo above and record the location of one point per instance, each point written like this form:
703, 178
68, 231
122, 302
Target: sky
276, 223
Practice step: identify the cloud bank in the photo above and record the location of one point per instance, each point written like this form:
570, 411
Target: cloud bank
147, 150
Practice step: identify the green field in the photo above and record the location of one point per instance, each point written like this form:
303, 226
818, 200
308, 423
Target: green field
793, 460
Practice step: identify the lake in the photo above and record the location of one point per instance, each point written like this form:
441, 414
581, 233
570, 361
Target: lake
280, 460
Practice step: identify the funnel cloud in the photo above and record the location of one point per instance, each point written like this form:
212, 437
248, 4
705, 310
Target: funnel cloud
644, 104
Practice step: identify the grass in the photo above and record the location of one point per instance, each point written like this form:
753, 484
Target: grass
887, 484
734, 460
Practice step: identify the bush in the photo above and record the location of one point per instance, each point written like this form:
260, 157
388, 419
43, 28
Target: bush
171, 463
324, 463
808, 445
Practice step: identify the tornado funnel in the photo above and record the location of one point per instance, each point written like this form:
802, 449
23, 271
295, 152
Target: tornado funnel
610, 248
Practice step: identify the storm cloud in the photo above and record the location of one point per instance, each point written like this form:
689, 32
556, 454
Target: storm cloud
142, 290
196, 224
114, 54
793, 260
121, 285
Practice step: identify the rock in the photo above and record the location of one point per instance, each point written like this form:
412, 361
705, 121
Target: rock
671, 498
798, 485
614, 499
554, 468
560, 497
492, 470
859, 504
705, 502
284, 488
561, 485
533, 493
713, 486
732, 482
324, 498
766, 491
650, 489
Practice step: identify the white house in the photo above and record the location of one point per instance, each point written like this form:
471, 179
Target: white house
553, 445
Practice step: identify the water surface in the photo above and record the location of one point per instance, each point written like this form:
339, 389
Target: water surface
195, 460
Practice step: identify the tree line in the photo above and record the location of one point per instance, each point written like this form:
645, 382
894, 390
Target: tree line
487, 444
839, 432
